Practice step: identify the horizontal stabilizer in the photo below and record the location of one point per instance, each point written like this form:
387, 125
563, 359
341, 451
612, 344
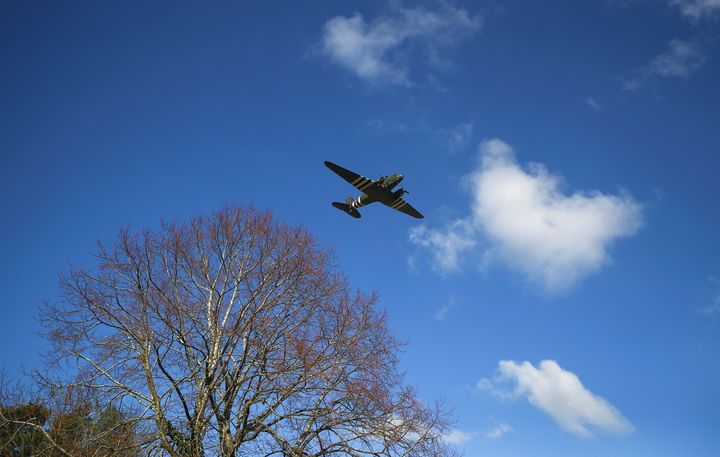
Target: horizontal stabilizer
347, 209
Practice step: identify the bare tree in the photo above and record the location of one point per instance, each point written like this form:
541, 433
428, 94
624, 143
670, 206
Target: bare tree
236, 335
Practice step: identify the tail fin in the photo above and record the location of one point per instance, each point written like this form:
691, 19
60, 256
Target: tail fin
346, 208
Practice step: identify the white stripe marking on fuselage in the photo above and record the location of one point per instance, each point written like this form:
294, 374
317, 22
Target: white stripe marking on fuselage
365, 185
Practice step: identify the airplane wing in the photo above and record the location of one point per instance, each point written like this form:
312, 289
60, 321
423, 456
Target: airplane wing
404, 207
359, 182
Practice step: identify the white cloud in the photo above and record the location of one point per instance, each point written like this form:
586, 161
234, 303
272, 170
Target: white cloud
498, 431
679, 62
456, 436
560, 394
525, 221
697, 9
377, 52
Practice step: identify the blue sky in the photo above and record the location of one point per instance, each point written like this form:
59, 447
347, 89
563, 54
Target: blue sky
562, 294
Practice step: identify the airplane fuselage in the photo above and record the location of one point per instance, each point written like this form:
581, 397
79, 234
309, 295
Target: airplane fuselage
379, 191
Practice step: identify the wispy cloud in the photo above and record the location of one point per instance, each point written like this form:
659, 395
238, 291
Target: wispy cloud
446, 245
378, 52
697, 9
457, 138
498, 431
595, 106
452, 139
560, 394
713, 309
680, 60
380, 126
442, 312
457, 437
521, 218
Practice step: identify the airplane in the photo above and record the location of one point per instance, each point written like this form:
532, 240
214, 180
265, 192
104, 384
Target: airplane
379, 190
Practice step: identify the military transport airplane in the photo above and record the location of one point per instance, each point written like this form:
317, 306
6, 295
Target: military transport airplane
379, 190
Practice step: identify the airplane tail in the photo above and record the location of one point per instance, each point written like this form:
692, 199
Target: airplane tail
347, 208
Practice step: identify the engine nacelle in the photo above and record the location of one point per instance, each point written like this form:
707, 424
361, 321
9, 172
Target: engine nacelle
400, 192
